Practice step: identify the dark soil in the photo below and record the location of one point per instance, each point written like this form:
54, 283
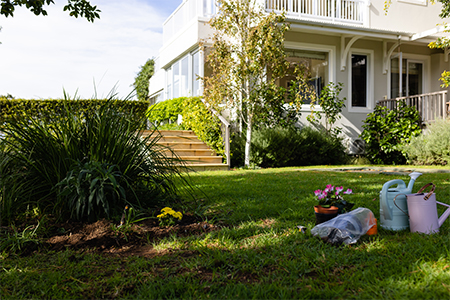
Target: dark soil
104, 237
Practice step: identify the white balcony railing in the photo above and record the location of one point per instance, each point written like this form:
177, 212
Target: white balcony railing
431, 106
343, 11
347, 11
185, 13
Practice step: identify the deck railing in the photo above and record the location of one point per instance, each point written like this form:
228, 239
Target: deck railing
350, 11
347, 11
431, 106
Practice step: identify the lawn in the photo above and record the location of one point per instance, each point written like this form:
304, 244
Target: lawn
258, 252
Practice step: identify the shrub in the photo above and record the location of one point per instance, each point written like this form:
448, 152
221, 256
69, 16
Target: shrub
73, 163
386, 130
205, 125
282, 147
432, 147
165, 111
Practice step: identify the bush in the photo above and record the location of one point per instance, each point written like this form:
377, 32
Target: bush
83, 166
165, 111
205, 125
283, 147
432, 147
386, 130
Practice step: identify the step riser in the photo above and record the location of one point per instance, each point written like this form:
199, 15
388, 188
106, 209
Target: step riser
183, 152
185, 144
196, 161
176, 146
178, 139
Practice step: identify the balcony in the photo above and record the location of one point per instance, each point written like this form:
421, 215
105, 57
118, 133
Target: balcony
342, 11
339, 11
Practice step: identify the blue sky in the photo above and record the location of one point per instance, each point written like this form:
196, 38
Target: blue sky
42, 55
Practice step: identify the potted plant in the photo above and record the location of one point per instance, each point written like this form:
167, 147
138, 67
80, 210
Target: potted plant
331, 203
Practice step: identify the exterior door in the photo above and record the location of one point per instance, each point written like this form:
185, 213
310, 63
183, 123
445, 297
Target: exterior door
406, 77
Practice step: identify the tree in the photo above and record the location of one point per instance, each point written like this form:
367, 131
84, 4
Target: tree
141, 81
82, 8
247, 57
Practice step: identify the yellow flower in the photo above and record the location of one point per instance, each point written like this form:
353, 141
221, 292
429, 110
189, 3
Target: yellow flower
166, 209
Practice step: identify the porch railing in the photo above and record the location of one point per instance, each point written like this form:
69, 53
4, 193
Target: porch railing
431, 106
352, 11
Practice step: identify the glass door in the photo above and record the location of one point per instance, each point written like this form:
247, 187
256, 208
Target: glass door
408, 81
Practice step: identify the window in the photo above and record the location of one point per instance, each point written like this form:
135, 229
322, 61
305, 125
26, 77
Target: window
182, 77
176, 80
317, 64
411, 79
359, 80
195, 74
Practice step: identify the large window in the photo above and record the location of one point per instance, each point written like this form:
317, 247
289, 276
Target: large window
182, 78
316, 62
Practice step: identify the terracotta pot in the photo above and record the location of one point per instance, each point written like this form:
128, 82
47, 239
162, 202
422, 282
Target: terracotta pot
326, 210
324, 214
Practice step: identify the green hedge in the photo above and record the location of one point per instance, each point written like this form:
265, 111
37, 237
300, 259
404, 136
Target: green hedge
52, 109
165, 110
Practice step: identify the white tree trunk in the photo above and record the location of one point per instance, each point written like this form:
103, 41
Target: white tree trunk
248, 139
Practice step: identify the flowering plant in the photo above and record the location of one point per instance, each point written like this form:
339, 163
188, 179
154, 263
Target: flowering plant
329, 197
168, 217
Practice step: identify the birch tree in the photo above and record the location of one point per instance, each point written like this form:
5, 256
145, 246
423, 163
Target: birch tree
247, 57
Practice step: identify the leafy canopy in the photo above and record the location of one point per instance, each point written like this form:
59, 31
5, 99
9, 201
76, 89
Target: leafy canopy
76, 8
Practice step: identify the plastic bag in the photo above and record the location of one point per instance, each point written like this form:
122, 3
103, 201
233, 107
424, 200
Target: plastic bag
346, 228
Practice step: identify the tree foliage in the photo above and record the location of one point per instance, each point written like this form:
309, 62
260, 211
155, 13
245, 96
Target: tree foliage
246, 59
76, 8
141, 81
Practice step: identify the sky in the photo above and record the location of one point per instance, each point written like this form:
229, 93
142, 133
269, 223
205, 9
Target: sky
43, 56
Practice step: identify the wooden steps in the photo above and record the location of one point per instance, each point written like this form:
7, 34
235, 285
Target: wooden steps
195, 153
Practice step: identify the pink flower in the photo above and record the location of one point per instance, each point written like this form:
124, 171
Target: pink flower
339, 189
329, 188
321, 196
348, 192
317, 192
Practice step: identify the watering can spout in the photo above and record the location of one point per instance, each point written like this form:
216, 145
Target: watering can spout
414, 176
445, 215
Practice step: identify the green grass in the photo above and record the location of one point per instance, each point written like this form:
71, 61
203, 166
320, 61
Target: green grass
260, 253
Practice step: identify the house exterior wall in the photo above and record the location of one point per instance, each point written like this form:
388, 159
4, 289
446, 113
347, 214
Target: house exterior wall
378, 37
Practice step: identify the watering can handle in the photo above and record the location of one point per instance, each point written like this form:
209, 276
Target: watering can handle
430, 193
398, 206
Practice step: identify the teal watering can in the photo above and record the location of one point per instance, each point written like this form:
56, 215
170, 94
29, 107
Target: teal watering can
393, 217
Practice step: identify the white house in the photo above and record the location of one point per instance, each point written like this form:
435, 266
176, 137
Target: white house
348, 41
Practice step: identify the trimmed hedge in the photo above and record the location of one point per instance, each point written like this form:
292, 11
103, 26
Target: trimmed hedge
52, 109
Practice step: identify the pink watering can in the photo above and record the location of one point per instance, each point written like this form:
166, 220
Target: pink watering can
422, 211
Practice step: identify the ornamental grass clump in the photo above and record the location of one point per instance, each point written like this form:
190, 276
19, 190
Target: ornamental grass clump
169, 217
